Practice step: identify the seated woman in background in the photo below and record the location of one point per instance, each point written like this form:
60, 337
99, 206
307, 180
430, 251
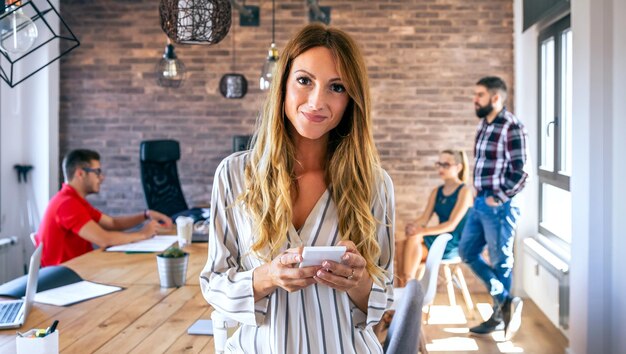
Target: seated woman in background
450, 201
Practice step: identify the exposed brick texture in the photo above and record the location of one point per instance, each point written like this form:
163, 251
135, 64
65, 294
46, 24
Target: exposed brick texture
423, 57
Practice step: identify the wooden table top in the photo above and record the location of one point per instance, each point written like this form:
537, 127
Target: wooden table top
143, 318
120, 268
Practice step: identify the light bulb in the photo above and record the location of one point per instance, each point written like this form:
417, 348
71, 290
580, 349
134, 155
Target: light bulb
170, 70
17, 32
267, 74
268, 68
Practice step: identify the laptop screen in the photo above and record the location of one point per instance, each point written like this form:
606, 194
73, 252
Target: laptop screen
33, 275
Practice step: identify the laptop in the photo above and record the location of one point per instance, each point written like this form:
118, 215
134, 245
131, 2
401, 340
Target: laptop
13, 313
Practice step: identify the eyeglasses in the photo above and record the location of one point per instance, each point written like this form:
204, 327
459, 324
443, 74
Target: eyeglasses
97, 171
444, 165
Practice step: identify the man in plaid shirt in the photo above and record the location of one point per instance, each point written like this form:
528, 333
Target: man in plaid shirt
500, 151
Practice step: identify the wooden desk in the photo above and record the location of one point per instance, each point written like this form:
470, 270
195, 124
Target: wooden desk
143, 318
119, 268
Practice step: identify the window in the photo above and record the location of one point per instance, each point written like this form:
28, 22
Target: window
555, 129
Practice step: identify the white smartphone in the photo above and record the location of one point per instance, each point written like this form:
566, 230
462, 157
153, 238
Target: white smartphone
315, 255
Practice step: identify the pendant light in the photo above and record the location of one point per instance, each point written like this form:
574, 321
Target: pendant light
233, 85
195, 21
34, 33
272, 57
170, 71
17, 31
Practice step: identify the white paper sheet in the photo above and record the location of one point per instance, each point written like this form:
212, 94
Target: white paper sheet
155, 244
72, 293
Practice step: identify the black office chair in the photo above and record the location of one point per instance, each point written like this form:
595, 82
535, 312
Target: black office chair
159, 176
241, 142
403, 335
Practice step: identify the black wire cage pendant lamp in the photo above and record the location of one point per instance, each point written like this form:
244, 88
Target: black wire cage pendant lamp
170, 70
233, 85
195, 21
30, 39
272, 58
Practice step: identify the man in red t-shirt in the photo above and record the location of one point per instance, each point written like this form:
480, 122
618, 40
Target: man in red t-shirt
71, 225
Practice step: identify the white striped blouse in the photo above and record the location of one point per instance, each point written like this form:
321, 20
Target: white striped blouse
316, 319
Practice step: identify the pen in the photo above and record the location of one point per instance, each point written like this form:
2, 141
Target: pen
27, 334
52, 328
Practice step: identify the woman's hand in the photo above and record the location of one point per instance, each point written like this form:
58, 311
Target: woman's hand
348, 274
283, 272
410, 229
413, 229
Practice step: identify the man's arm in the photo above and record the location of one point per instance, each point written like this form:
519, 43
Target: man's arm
119, 223
516, 154
93, 233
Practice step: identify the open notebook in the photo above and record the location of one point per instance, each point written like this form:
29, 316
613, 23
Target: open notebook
58, 285
154, 244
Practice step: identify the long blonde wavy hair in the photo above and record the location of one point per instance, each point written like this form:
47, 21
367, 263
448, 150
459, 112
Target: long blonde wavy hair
353, 165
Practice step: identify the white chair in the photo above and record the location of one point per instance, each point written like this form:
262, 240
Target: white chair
431, 269
222, 325
454, 276
404, 334
428, 281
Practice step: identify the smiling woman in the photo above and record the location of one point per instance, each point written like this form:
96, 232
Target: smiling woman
311, 178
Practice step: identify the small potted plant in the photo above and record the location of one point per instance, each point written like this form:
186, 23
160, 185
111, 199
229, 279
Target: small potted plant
172, 266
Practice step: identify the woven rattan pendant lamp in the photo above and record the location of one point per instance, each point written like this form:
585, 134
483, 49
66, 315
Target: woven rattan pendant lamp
195, 21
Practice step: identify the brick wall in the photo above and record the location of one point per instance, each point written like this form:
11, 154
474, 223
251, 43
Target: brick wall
423, 56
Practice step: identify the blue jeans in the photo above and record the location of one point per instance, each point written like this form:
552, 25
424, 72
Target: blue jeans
493, 227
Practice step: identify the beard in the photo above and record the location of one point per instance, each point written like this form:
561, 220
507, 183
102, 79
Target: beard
483, 111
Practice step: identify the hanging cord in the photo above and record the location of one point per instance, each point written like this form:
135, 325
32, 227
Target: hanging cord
234, 49
273, 20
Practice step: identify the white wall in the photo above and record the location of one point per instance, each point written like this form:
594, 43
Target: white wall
598, 285
617, 301
29, 130
525, 57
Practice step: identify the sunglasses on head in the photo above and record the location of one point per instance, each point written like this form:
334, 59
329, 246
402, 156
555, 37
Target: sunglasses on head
97, 171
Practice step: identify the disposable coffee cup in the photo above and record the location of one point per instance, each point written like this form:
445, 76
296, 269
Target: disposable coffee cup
184, 230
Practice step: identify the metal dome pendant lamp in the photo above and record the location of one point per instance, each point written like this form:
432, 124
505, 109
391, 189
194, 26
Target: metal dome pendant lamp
272, 58
195, 21
233, 85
